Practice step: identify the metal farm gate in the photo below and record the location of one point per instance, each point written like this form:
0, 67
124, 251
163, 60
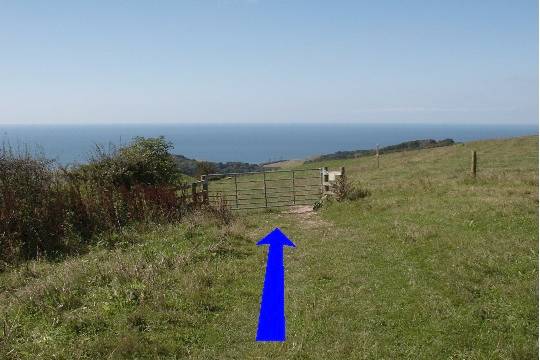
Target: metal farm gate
267, 189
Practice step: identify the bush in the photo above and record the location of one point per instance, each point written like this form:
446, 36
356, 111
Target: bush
31, 206
144, 161
48, 211
345, 190
357, 192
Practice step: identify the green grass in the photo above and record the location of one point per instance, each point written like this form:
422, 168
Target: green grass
433, 264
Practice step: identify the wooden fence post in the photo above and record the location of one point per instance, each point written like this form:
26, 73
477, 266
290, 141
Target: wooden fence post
377, 155
236, 190
326, 180
194, 196
293, 190
264, 183
204, 189
473, 163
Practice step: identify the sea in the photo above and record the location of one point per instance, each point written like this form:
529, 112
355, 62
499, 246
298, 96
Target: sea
254, 143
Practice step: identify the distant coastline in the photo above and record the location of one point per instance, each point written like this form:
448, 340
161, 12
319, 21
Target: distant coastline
247, 143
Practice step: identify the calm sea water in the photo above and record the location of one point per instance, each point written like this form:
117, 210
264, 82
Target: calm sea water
249, 143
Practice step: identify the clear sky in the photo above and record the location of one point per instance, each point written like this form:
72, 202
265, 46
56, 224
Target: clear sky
269, 61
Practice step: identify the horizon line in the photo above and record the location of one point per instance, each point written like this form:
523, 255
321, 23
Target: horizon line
329, 123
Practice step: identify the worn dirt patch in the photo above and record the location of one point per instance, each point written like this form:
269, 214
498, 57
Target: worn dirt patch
301, 209
307, 216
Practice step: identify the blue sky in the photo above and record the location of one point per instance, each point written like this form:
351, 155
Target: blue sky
269, 61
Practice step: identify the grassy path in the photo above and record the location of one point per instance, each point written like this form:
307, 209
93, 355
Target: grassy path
432, 265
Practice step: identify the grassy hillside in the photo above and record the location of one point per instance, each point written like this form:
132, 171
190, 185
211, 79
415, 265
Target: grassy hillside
433, 264
404, 146
195, 168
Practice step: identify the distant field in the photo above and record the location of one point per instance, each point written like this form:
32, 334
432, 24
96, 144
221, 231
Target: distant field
432, 265
285, 164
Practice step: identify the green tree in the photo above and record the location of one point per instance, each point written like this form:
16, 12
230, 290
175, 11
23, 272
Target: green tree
205, 168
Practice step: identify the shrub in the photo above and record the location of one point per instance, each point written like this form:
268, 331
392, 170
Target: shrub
46, 210
357, 192
144, 161
31, 206
346, 190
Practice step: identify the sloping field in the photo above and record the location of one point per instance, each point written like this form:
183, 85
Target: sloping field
432, 264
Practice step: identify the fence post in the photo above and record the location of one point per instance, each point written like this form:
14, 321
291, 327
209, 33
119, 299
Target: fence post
265, 198
326, 180
204, 189
321, 170
342, 172
293, 190
473, 163
377, 155
236, 190
194, 196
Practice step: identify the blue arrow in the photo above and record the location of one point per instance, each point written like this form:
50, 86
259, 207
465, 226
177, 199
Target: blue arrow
272, 313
